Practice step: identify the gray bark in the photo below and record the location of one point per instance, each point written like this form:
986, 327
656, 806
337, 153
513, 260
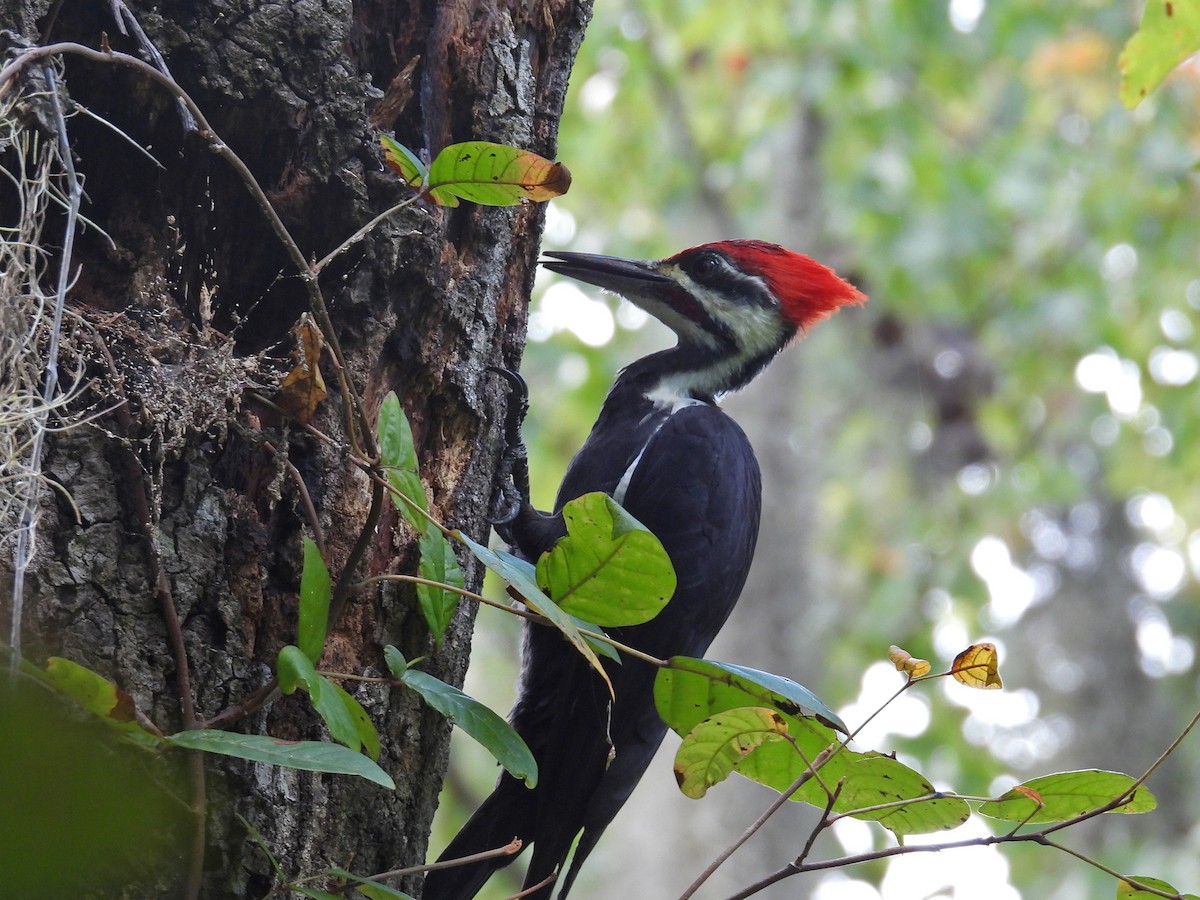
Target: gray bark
193, 300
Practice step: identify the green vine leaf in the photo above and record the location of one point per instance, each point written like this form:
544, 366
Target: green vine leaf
1126, 891
609, 569
713, 749
316, 589
310, 756
520, 574
1169, 34
375, 890
398, 455
347, 721
404, 162
480, 171
688, 690
97, 695
436, 560
477, 720
1065, 795
494, 175
438, 563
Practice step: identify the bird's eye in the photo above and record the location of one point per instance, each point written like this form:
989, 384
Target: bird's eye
705, 266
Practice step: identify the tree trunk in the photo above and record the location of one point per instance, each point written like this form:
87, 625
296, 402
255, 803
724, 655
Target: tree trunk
186, 494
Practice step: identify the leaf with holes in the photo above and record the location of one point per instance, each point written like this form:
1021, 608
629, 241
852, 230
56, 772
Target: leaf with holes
1169, 33
494, 175
713, 749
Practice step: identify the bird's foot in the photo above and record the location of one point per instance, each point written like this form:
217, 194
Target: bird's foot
512, 474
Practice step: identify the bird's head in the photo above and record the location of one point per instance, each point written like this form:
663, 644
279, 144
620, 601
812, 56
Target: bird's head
733, 304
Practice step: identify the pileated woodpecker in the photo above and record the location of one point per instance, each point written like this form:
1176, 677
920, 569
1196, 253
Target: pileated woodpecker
665, 451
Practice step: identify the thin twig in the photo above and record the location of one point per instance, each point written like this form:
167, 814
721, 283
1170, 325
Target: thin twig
755, 826
523, 613
358, 426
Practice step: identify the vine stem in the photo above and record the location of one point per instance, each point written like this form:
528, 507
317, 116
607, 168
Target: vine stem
361, 437
758, 823
1041, 836
523, 613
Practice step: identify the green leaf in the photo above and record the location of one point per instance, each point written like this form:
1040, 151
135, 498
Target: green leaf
97, 695
690, 690
381, 892
295, 670
399, 458
687, 685
404, 162
438, 563
874, 779
315, 592
521, 575
1126, 891
478, 721
373, 889
395, 660
314, 893
311, 756
1169, 34
609, 569
368, 735
1065, 795
713, 749
515, 571
494, 175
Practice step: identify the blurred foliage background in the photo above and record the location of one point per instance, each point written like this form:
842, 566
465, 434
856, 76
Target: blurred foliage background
999, 446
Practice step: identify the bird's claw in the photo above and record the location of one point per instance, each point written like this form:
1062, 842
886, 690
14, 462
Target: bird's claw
512, 476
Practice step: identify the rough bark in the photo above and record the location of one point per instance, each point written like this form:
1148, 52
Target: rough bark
188, 299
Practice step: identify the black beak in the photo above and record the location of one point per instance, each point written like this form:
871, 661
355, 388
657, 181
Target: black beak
621, 276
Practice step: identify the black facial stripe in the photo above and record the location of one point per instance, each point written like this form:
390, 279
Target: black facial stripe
713, 270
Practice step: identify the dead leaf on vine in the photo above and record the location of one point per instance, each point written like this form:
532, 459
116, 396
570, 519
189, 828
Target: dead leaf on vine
977, 667
907, 663
303, 388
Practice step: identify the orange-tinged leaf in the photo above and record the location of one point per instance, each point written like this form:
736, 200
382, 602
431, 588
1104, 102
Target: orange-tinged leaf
977, 667
494, 175
907, 663
404, 162
303, 388
1030, 793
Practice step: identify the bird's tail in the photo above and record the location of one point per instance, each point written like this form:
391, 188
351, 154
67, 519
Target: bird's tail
506, 814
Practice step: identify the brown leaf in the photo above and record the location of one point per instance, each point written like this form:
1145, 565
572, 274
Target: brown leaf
303, 388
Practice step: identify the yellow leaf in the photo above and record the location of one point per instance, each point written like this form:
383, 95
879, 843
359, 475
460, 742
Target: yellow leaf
977, 667
907, 663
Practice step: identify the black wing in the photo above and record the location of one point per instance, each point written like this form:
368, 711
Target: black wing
696, 486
